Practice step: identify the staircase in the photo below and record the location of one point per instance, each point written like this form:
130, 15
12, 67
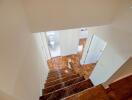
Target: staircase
63, 83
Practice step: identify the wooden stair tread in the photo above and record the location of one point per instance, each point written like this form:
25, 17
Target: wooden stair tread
62, 85
59, 70
121, 89
69, 90
94, 93
47, 84
57, 77
58, 74
62, 72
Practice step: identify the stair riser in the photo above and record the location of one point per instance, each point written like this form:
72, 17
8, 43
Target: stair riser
62, 85
55, 78
61, 80
68, 90
60, 73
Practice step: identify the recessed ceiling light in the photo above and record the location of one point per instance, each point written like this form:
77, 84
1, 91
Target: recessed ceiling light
131, 7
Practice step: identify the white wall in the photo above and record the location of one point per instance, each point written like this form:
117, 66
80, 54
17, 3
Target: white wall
69, 40
118, 34
45, 45
124, 71
41, 46
4, 96
21, 62
95, 51
109, 63
115, 53
47, 15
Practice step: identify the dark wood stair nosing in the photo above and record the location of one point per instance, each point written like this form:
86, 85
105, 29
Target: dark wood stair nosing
56, 74
65, 81
64, 77
56, 77
60, 71
61, 79
74, 81
72, 91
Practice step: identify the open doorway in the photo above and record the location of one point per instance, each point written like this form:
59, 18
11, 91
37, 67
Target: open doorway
53, 43
92, 52
84, 37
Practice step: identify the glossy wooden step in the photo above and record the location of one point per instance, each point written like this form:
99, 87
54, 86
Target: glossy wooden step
94, 93
59, 77
69, 90
61, 80
57, 73
60, 70
60, 73
62, 85
121, 89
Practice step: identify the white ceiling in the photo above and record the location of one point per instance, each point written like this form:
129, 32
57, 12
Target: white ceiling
46, 15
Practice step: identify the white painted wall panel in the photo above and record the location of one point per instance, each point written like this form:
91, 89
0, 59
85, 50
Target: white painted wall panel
96, 49
109, 63
21, 61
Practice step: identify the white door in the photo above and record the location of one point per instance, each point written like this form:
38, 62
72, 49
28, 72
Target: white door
95, 51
